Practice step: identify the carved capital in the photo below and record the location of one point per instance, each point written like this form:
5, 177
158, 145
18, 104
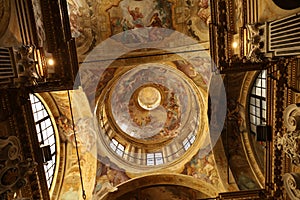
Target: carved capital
292, 185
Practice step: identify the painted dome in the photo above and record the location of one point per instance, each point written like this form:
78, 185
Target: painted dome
152, 101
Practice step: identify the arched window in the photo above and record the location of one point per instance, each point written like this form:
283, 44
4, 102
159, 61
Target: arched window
117, 147
187, 142
45, 133
155, 159
257, 106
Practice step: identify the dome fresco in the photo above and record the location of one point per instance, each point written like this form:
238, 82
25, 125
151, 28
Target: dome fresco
177, 106
154, 109
152, 113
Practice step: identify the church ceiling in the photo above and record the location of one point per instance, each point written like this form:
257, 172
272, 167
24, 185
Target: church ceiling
148, 86
145, 109
145, 70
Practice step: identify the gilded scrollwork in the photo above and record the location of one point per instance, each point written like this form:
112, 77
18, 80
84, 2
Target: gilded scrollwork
292, 185
13, 169
292, 117
289, 142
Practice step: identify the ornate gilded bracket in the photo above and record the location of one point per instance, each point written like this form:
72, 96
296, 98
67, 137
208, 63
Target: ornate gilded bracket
26, 67
255, 42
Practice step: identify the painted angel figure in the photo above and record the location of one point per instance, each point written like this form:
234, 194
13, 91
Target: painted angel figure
136, 16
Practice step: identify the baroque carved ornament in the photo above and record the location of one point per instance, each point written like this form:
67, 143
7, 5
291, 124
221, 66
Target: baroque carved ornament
13, 169
290, 141
292, 185
26, 67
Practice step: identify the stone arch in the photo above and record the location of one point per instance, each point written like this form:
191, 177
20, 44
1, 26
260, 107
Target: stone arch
162, 179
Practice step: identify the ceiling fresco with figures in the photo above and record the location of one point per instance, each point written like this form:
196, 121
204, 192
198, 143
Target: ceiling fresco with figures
136, 14
94, 21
